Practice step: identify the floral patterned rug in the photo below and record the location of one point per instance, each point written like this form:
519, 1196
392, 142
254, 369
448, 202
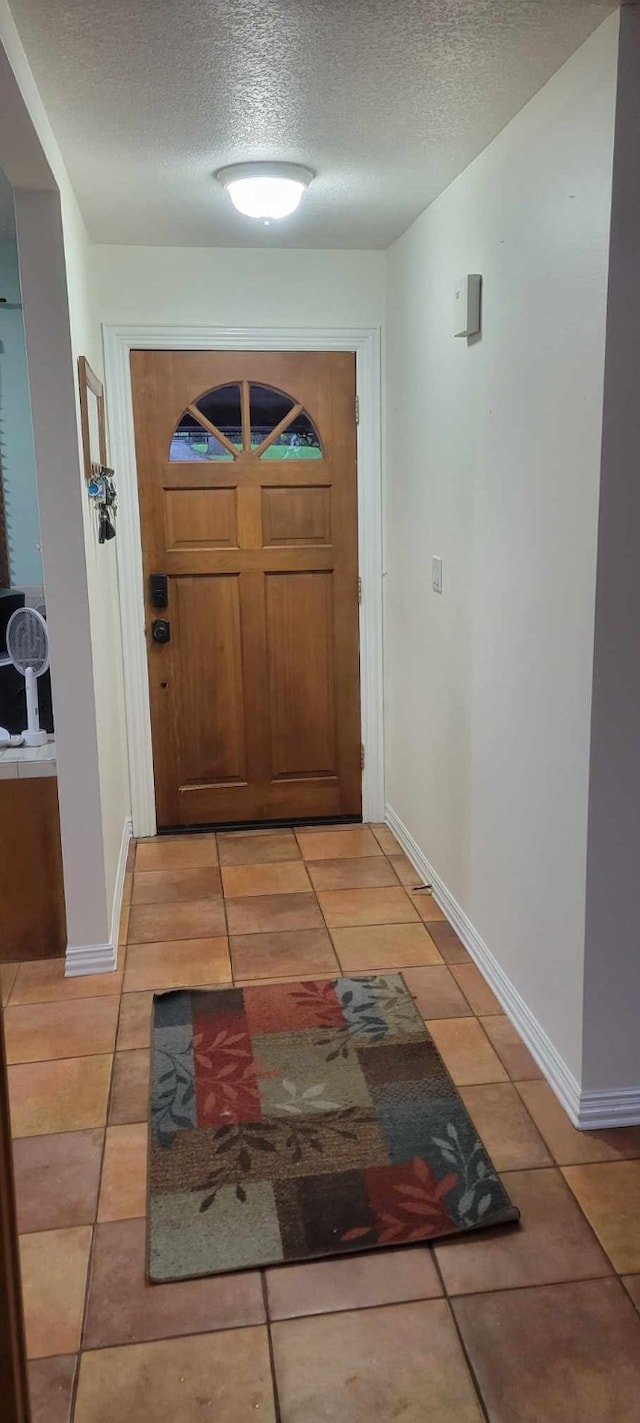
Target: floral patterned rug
298, 1120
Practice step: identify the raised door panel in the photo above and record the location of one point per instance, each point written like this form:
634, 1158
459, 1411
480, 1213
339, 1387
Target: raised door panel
207, 678
299, 618
201, 518
299, 515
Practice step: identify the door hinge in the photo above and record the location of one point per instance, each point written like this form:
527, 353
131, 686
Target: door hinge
361, 757
357, 409
359, 590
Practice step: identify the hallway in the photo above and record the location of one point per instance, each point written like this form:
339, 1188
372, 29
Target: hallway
457, 1333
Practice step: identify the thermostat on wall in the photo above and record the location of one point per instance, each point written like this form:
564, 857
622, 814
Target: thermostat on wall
467, 305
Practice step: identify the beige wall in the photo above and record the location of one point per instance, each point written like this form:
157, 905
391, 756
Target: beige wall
493, 461
224, 286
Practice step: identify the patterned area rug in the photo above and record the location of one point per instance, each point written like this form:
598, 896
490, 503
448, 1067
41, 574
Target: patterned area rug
299, 1120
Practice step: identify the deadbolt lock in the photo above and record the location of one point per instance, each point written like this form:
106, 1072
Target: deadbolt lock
161, 630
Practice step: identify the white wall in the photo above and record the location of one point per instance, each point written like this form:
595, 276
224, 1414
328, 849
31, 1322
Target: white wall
493, 463
102, 574
229, 287
611, 1053
80, 584
17, 459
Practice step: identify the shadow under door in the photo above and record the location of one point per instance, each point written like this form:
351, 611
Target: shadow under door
248, 502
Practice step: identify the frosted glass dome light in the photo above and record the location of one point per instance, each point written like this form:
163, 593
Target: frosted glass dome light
265, 190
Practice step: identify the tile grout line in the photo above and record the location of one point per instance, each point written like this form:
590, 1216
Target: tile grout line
353, 1309
270, 1347
452, 1315
94, 1227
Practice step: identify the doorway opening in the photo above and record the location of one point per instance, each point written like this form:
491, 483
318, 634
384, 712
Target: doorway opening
265, 418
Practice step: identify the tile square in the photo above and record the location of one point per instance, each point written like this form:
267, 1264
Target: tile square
553, 1242
632, 1286
302, 951
387, 840
405, 871
57, 1179
180, 964
130, 1087
569, 1146
436, 992
338, 844
79, 1028
185, 852
279, 877
345, 907
369, 872
51, 1388
398, 1362
446, 939
510, 1048
426, 906
123, 1192
609, 1194
269, 913
475, 988
467, 1053
159, 923
170, 886
54, 1271
44, 982
383, 946
134, 1023
505, 1127
258, 849
8, 973
224, 1377
568, 1353
123, 1308
69, 1094
386, 1277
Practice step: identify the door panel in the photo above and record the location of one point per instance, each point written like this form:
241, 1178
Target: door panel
207, 680
301, 673
296, 515
201, 518
248, 501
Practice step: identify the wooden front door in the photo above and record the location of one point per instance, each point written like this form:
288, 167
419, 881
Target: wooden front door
247, 475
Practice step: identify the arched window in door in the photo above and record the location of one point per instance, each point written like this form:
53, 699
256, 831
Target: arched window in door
245, 419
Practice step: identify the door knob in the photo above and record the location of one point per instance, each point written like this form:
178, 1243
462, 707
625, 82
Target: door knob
161, 630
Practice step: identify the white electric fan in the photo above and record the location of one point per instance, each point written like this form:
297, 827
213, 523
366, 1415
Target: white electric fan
28, 650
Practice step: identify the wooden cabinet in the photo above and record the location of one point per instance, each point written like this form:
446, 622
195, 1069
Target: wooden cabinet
32, 910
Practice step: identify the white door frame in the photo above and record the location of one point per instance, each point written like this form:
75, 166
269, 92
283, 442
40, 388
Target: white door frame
365, 342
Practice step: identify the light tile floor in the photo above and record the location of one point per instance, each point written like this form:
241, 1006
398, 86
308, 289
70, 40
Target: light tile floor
530, 1325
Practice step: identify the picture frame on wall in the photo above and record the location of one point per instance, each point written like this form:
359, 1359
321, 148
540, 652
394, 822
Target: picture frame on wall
92, 419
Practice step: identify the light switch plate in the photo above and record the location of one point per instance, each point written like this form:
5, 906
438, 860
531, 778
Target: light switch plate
436, 573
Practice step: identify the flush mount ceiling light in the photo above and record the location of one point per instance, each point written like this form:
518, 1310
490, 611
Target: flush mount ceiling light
265, 190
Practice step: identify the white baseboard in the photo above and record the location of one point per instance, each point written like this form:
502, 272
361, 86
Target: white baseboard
610, 1109
89, 958
586, 1109
102, 958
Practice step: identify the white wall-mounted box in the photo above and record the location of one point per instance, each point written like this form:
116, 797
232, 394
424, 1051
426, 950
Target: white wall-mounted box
467, 305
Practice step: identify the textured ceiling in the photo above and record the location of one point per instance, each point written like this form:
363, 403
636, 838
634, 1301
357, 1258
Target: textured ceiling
387, 99
7, 217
